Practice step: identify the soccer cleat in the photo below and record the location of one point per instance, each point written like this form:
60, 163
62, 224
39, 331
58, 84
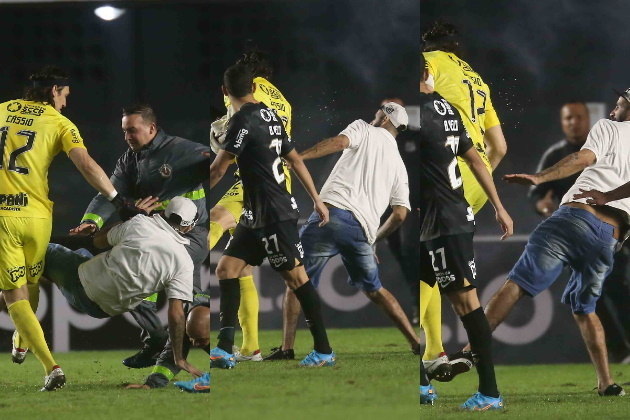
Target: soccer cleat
315, 359
196, 386
438, 368
147, 356
461, 362
613, 390
278, 354
254, 357
17, 354
55, 380
480, 402
220, 358
428, 394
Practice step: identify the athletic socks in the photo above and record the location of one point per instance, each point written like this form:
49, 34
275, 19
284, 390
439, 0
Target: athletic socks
431, 320
311, 306
424, 380
230, 299
33, 300
248, 315
480, 337
216, 232
29, 328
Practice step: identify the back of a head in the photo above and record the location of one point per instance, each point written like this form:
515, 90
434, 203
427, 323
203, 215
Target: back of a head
144, 110
42, 81
238, 80
258, 62
181, 212
441, 37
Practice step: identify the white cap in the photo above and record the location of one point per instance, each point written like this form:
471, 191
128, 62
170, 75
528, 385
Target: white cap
397, 115
184, 208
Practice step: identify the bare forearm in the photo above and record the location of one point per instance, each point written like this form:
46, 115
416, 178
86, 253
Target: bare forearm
216, 174
324, 148
96, 177
305, 178
496, 148
485, 180
566, 167
176, 329
619, 193
392, 223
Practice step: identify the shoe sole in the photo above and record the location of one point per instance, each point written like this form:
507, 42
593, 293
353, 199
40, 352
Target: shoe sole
58, 383
442, 373
459, 366
220, 362
18, 360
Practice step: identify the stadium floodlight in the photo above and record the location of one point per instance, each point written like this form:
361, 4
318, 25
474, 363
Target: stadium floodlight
109, 12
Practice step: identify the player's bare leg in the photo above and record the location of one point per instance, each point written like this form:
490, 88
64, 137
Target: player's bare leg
595, 340
290, 313
386, 301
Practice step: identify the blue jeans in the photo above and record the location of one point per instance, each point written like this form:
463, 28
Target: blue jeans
62, 268
344, 235
570, 237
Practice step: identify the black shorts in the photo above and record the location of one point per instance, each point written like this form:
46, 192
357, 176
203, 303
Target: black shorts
449, 261
279, 242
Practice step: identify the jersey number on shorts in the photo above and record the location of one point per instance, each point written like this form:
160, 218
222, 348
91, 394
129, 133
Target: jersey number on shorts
433, 258
273, 238
455, 181
30, 139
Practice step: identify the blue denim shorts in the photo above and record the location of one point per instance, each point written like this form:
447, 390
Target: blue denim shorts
62, 268
570, 237
344, 235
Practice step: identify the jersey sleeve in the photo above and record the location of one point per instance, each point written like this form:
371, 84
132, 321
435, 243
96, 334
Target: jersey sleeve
237, 135
599, 138
287, 143
180, 286
69, 136
465, 142
356, 133
491, 118
117, 233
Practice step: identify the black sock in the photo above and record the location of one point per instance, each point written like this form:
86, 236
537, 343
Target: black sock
480, 337
424, 381
230, 301
311, 305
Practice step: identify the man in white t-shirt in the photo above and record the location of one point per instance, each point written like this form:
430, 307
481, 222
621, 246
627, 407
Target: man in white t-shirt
369, 176
581, 234
147, 256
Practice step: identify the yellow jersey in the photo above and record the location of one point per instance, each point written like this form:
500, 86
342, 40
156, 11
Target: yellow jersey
31, 134
464, 88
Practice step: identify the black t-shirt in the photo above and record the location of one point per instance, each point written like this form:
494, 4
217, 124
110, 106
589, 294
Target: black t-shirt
257, 137
443, 208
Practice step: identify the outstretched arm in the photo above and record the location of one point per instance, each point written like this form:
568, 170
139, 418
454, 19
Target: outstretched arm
326, 147
91, 171
496, 145
304, 176
568, 166
219, 166
393, 222
176, 329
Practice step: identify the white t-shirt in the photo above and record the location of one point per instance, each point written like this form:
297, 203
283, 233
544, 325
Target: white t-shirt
369, 175
148, 255
610, 141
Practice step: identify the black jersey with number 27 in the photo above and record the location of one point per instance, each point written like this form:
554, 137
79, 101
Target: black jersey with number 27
443, 208
256, 136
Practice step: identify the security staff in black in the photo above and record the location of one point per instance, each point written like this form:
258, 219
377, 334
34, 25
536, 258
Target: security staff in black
162, 166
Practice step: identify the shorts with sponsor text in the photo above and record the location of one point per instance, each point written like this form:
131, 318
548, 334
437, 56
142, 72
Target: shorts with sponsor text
449, 261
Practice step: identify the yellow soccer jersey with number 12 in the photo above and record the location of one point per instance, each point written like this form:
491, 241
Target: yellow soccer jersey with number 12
31, 134
461, 86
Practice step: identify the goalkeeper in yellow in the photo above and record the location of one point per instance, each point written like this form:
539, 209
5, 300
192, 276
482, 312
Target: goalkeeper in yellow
32, 132
225, 214
461, 86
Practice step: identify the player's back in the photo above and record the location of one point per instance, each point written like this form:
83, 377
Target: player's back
31, 134
443, 138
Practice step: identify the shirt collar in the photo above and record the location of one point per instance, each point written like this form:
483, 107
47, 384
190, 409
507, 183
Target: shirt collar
163, 224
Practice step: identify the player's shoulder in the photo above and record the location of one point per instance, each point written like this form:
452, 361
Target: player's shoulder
358, 125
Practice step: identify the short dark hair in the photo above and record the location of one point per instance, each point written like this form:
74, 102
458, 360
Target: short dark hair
41, 83
577, 101
144, 110
258, 63
441, 36
238, 80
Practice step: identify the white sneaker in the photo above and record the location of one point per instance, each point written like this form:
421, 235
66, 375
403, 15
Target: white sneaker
17, 354
438, 368
55, 380
254, 357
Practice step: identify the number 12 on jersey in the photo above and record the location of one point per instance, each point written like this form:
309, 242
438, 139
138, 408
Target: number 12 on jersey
30, 139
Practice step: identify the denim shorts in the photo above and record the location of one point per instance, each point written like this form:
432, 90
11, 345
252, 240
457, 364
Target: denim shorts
62, 268
344, 235
570, 237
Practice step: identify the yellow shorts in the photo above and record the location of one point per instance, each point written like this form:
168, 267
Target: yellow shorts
23, 244
473, 192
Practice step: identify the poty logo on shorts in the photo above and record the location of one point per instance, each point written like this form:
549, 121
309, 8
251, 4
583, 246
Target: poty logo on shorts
16, 273
444, 278
239, 137
277, 260
35, 269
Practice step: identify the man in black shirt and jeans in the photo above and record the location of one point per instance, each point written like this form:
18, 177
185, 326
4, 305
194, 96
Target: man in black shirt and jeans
268, 226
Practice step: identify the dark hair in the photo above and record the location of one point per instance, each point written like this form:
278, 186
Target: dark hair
258, 63
238, 80
574, 102
441, 36
41, 83
144, 110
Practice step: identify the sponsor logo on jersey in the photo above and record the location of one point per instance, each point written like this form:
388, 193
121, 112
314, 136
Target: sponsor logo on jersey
166, 170
32, 110
35, 269
16, 273
13, 201
14, 107
239, 137
75, 136
444, 278
248, 215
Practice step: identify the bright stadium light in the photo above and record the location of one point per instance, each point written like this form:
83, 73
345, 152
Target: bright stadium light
108, 12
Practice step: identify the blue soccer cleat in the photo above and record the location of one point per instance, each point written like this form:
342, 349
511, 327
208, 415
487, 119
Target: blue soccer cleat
220, 358
428, 394
198, 385
315, 359
480, 402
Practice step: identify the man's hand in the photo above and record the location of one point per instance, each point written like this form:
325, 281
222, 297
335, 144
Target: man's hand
322, 210
547, 205
147, 204
183, 364
84, 229
505, 221
523, 179
594, 197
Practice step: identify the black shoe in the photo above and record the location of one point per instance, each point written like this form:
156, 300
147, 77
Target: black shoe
613, 390
147, 356
278, 354
461, 362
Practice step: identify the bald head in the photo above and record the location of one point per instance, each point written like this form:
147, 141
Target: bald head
575, 121
198, 326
